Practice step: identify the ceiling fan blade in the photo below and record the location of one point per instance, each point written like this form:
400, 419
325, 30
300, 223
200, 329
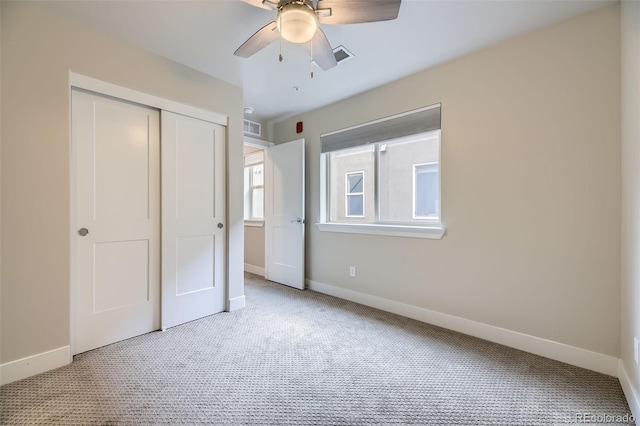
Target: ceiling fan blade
267, 4
321, 51
357, 11
261, 39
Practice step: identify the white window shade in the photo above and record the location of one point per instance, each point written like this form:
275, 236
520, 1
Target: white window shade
408, 123
254, 158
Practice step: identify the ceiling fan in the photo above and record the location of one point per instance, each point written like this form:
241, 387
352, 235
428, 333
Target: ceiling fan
298, 21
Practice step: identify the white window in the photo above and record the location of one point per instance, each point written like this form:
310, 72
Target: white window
354, 194
400, 158
254, 187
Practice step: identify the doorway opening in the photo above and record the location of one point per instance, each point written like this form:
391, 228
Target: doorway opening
274, 207
254, 188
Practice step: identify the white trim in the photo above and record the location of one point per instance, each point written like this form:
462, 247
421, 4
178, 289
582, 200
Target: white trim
73, 242
34, 364
255, 223
102, 87
236, 303
431, 232
258, 270
630, 392
258, 143
595, 361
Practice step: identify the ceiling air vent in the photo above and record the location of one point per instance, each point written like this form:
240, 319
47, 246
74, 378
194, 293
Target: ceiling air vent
252, 128
342, 54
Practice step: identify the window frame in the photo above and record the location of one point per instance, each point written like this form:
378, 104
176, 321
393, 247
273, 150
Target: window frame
429, 228
347, 194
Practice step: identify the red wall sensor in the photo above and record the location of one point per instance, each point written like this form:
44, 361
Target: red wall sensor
299, 127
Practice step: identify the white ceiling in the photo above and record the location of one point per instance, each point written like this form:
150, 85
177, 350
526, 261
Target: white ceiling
204, 34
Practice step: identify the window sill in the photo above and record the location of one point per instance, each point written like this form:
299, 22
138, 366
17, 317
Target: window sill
433, 232
254, 223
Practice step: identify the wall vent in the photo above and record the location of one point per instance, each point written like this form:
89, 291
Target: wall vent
252, 128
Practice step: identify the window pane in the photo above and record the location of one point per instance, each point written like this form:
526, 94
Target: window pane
258, 175
354, 183
355, 205
427, 191
257, 203
397, 185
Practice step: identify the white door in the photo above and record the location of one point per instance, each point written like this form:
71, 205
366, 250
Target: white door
193, 218
284, 214
115, 146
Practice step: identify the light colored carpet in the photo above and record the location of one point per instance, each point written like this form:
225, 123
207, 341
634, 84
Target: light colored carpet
302, 358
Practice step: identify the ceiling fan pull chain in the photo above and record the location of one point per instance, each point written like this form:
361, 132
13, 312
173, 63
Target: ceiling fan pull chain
311, 61
279, 38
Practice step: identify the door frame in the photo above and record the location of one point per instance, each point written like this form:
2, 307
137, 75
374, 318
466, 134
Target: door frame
79, 81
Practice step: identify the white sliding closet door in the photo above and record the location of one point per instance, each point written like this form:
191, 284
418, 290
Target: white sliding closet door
193, 218
116, 155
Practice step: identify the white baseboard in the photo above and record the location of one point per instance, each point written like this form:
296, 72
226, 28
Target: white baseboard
547, 348
258, 270
236, 303
35, 364
630, 392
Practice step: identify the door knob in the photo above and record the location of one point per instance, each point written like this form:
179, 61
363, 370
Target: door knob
220, 225
83, 231
298, 220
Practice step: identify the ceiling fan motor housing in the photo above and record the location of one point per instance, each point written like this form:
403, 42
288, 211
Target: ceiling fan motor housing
297, 22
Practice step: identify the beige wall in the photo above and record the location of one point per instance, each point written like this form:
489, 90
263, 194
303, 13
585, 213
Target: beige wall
38, 50
630, 297
530, 188
254, 246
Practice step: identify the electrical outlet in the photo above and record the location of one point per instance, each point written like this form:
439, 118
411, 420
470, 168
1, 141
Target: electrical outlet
352, 273
635, 349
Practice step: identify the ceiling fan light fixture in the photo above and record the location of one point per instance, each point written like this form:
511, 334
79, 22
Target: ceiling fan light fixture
297, 22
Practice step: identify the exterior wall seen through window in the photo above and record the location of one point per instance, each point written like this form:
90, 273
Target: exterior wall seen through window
395, 181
